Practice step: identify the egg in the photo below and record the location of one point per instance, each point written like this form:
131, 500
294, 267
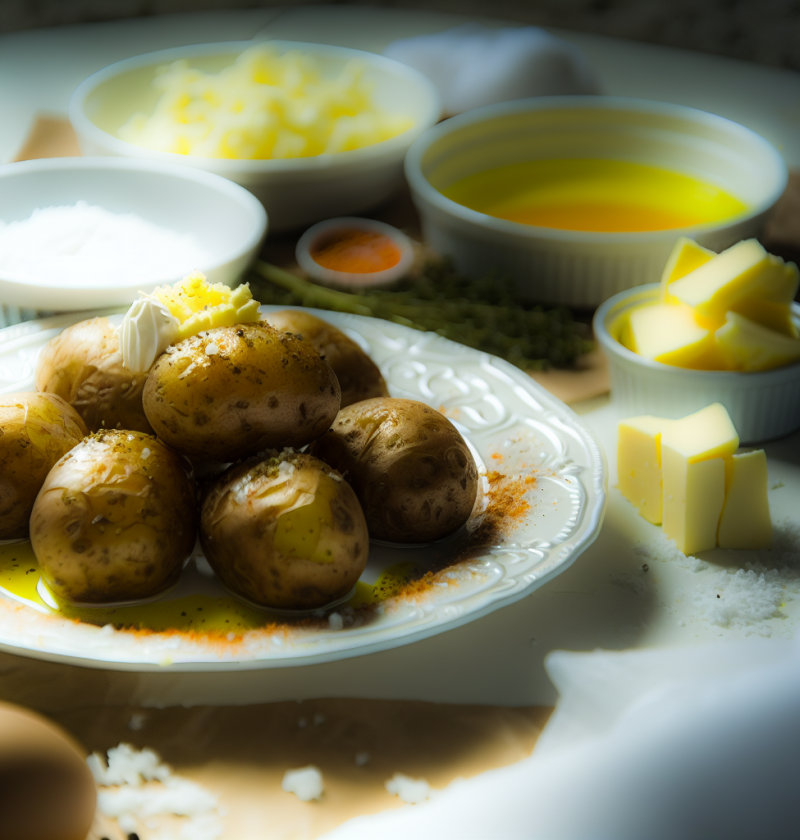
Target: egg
47, 792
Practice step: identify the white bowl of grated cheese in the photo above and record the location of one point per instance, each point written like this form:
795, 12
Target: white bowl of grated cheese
83, 233
314, 131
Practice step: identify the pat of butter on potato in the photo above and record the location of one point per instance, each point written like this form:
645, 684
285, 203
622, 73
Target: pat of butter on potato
685, 474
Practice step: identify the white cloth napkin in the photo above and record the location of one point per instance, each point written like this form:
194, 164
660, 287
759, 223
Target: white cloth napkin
700, 742
472, 65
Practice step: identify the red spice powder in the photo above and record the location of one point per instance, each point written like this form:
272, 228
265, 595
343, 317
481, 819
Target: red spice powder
356, 252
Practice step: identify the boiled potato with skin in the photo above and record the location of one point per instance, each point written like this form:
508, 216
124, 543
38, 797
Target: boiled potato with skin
284, 530
408, 464
35, 431
232, 392
83, 364
359, 377
114, 520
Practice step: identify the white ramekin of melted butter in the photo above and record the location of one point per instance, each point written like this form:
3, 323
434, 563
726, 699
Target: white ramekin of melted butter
578, 198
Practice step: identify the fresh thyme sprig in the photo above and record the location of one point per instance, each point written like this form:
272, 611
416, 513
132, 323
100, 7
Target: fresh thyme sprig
484, 313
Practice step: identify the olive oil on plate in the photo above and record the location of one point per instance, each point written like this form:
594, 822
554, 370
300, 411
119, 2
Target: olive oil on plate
601, 195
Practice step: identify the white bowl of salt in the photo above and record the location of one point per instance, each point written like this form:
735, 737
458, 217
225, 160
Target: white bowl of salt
85, 233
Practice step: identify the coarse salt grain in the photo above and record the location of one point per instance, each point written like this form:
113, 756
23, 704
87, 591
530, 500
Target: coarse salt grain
304, 782
411, 791
83, 244
137, 721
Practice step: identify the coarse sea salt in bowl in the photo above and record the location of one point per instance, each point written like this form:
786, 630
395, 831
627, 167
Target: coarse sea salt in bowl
258, 122
477, 179
84, 233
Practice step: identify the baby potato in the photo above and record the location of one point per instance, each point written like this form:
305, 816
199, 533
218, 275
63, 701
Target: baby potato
284, 530
410, 468
114, 520
35, 431
83, 364
232, 392
359, 377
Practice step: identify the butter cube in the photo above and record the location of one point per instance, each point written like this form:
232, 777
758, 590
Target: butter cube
686, 256
693, 499
693, 476
639, 464
745, 520
773, 316
769, 303
746, 345
733, 275
669, 333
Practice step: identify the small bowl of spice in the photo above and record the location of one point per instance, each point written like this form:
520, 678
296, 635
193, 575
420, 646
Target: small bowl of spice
354, 253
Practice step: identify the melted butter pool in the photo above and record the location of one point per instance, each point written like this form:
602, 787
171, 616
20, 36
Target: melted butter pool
20, 576
601, 195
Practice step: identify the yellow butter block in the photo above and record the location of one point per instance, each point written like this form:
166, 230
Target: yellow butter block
783, 285
773, 316
639, 464
686, 256
693, 476
769, 302
745, 521
732, 275
708, 433
669, 333
747, 346
693, 497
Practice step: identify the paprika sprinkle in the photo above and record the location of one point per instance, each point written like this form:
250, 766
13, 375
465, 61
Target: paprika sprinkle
356, 252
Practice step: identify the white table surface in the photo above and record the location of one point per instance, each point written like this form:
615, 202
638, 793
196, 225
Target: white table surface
605, 599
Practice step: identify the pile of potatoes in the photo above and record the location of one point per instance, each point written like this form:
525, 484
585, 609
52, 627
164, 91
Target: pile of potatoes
99, 465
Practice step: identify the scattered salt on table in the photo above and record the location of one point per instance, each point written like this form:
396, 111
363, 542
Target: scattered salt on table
134, 785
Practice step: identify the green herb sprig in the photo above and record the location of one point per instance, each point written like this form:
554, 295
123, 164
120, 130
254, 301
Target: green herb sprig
485, 313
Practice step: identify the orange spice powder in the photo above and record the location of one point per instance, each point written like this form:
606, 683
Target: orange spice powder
506, 506
356, 252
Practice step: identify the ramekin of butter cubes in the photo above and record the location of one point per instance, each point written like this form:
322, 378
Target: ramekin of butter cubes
686, 476
718, 328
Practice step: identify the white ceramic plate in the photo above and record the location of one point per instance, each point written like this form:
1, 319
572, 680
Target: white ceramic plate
548, 508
